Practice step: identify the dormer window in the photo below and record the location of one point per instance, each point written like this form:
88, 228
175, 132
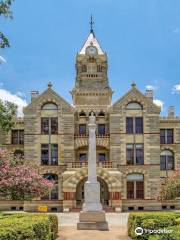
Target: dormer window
49, 106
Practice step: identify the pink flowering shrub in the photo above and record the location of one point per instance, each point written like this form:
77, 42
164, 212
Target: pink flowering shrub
171, 188
19, 181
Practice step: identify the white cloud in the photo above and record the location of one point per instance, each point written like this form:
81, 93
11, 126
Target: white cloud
2, 60
150, 87
6, 95
159, 103
176, 89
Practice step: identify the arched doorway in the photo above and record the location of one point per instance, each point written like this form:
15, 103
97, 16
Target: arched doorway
104, 193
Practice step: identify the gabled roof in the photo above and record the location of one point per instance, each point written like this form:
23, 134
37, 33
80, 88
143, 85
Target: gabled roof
135, 95
49, 94
91, 41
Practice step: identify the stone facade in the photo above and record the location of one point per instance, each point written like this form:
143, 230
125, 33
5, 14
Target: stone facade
92, 93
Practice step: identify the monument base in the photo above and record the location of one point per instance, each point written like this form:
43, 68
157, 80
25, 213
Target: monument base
92, 221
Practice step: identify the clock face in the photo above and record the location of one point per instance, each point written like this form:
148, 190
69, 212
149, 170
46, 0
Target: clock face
91, 50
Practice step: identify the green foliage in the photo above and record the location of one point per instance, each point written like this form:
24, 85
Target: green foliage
5, 10
8, 112
154, 221
29, 227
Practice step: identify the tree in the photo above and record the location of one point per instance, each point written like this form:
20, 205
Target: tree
8, 113
170, 190
5, 10
19, 181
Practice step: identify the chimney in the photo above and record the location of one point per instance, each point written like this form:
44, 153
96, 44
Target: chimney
171, 112
149, 94
34, 95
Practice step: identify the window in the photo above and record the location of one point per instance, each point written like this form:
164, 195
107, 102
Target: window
134, 106
139, 153
84, 68
134, 125
135, 154
166, 136
46, 157
102, 157
99, 68
49, 125
135, 186
54, 125
82, 114
82, 129
45, 125
101, 129
82, 157
139, 125
130, 153
129, 125
49, 106
17, 137
53, 194
167, 160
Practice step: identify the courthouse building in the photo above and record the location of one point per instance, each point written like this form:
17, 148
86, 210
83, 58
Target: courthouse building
136, 147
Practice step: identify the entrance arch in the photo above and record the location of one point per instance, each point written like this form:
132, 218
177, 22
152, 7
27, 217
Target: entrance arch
104, 192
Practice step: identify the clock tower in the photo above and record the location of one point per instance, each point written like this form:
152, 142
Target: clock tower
91, 86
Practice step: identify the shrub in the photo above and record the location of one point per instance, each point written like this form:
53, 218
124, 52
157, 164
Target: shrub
175, 235
29, 227
157, 220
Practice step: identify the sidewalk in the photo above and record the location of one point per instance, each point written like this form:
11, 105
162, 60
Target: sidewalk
117, 228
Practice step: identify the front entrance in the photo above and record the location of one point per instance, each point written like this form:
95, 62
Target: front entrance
104, 193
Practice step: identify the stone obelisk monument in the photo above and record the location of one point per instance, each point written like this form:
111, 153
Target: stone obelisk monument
92, 215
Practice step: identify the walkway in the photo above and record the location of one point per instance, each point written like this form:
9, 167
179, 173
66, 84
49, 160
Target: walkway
117, 228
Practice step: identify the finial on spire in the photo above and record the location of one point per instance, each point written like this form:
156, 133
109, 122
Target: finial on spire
133, 84
49, 85
91, 24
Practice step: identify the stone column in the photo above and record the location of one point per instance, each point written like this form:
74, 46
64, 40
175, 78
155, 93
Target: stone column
92, 216
92, 186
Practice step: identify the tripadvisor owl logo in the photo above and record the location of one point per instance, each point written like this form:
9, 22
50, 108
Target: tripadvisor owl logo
138, 231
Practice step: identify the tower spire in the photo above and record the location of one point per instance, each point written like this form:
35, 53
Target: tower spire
91, 24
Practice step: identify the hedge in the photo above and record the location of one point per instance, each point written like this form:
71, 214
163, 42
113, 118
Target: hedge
155, 221
28, 227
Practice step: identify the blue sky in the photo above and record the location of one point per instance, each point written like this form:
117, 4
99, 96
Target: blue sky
141, 38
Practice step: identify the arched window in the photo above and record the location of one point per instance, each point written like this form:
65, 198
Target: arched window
49, 106
101, 114
135, 186
82, 114
84, 68
167, 160
53, 194
19, 153
134, 106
